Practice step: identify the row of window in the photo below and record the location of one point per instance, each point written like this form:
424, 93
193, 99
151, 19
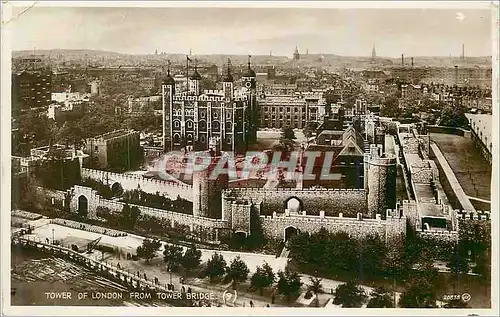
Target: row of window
203, 115
202, 125
202, 139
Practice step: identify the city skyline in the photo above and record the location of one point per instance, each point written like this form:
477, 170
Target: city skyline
256, 31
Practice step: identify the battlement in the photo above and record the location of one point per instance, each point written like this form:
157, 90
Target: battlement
208, 98
394, 214
442, 235
95, 200
236, 190
326, 219
472, 215
117, 177
213, 92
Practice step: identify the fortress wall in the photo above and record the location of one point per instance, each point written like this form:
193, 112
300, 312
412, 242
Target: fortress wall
170, 189
332, 201
275, 226
95, 200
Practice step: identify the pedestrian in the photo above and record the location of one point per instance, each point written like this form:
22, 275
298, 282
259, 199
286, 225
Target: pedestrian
268, 305
251, 304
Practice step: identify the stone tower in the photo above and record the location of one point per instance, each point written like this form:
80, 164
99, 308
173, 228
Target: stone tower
250, 83
167, 94
194, 81
380, 182
296, 55
207, 189
227, 82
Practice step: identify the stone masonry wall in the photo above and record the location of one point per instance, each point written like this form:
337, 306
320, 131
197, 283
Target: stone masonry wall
275, 226
95, 200
332, 201
170, 189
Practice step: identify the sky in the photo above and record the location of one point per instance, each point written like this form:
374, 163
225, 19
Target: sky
258, 31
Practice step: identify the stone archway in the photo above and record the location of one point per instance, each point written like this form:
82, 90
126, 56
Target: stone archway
117, 189
294, 204
238, 239
83, 206
289, 232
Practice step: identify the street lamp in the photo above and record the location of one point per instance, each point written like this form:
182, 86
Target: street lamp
53, 238
170, 272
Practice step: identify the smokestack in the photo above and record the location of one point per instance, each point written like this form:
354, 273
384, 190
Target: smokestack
463, 51
456, 74
412, 62
402, 60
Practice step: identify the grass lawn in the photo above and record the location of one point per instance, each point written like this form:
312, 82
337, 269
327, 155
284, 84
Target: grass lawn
469, 166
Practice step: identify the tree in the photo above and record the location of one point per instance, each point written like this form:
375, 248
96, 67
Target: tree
237, 271
381, 298
262, 278
309, 129
390, 108
349, 294
288, 283
453, 116
216, 266
457, 260
395, 264
419, 294
148, 249
373, 253
191, 258
315, 286
172, 255
287, 133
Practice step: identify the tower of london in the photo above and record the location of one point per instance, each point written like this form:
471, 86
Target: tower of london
191, 118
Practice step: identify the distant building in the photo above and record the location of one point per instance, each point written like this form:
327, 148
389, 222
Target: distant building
95, 88
31, 89
296, 55
347, 147
137, 105
118, 150
293, 110
56, 166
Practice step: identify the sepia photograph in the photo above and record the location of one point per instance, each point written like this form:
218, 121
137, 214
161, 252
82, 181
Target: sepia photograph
325, 157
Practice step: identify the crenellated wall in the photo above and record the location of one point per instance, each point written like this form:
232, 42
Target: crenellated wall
94, 201
348, 201
170, 189
358, 228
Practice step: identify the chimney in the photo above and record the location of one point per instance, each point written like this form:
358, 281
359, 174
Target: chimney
456, 74
412, 62
402, 60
